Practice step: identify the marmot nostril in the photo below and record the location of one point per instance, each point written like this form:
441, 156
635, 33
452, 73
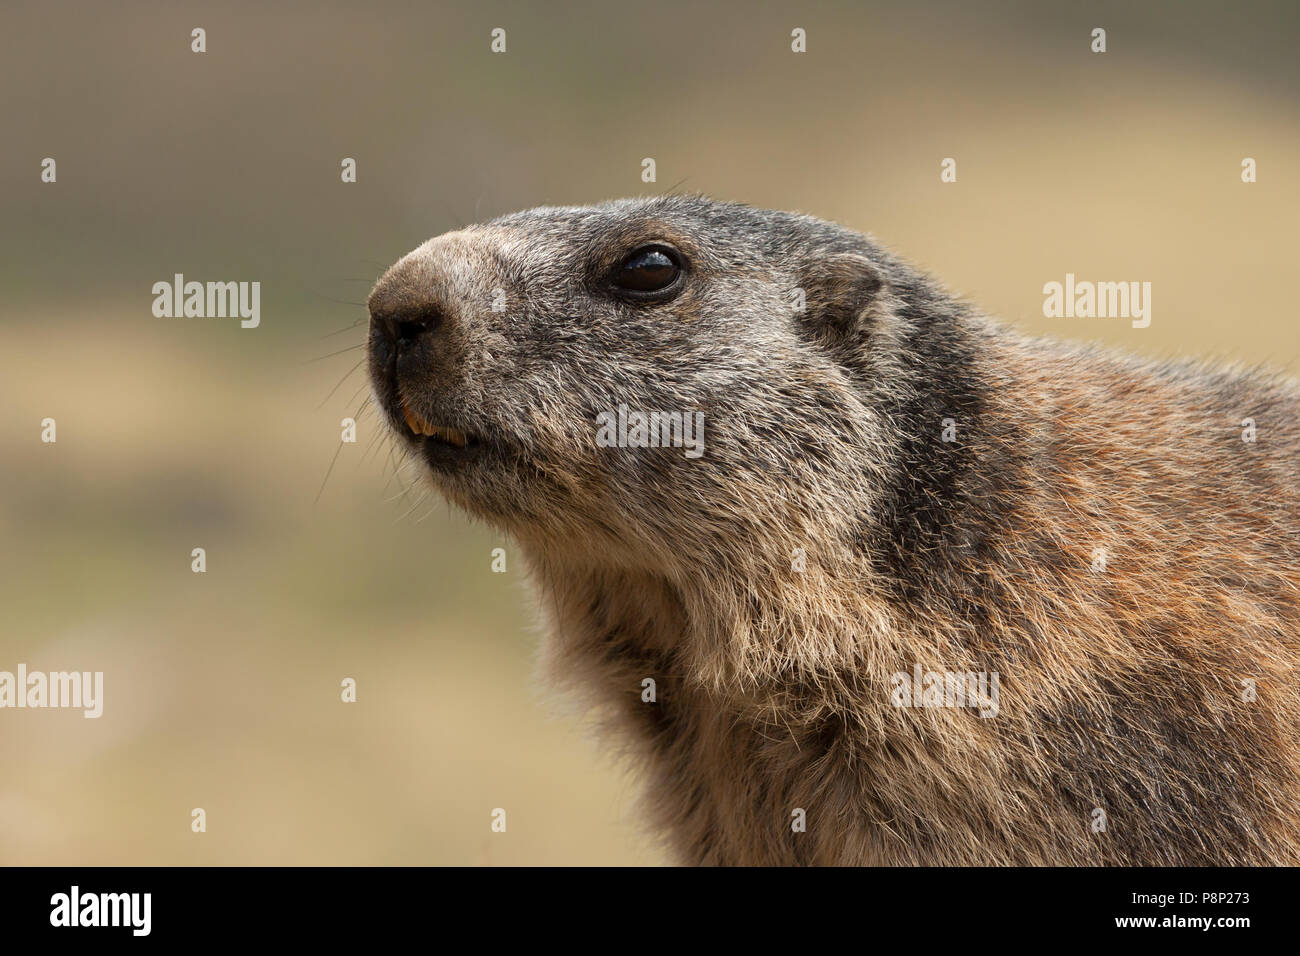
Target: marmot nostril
408, 330
409, 327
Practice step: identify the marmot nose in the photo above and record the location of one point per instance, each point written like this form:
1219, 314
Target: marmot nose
407, 325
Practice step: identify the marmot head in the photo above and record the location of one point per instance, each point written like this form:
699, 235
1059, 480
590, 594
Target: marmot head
670, 377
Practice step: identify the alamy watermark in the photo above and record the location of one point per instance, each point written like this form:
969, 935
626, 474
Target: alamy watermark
84, 689
1098, 300
975, 689
633, 429
130, 910
211, 300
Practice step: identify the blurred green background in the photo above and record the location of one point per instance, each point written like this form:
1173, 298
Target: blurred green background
222, 689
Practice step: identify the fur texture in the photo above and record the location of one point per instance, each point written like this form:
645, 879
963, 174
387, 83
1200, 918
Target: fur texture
1123, 689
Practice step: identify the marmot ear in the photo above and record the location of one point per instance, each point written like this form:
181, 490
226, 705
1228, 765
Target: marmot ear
838, 295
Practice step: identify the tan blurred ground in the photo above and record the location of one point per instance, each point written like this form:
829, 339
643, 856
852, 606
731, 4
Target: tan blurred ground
222, 689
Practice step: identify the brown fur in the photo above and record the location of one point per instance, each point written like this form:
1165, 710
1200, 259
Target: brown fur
1121, 689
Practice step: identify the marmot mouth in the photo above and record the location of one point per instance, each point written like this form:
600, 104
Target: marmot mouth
445, 434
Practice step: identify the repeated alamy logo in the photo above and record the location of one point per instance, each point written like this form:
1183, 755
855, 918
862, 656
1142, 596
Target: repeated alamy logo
210, 300
84, 689
633, 429
975, 689
1073, 299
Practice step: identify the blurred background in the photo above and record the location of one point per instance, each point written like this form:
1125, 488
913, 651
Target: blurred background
222, 689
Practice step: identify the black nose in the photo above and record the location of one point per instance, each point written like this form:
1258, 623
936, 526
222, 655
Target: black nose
407, 325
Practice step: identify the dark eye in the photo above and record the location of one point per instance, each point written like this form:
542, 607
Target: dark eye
649, 269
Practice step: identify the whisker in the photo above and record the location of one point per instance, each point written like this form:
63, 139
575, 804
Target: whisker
326, 298
347, 376
363, 387
397, 467
329, 471
334, 460
346, 328
418, 501
375, 439
321, 358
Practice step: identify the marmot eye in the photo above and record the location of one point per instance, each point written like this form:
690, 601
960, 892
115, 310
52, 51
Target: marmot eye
649, 269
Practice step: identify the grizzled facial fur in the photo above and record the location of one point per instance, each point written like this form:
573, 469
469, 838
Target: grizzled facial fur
495, 350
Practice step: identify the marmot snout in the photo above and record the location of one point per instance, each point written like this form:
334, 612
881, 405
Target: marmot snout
868, 577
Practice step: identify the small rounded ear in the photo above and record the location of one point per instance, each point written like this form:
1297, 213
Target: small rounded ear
838, 294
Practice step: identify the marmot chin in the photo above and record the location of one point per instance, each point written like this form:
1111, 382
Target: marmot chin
932, 592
